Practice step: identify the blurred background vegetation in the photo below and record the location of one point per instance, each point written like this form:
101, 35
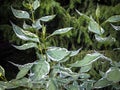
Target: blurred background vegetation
65, 16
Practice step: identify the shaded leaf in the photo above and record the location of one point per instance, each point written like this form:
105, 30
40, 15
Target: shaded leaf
26, 46
37, 25
117, 28
86, 68
26, 26
2, 71
84, 76
103, 82
40, 70
98, 11
47, 18
20, 13
73, 53
52, 84
57, 53
36, 4
113, 74
88, 59
114, 18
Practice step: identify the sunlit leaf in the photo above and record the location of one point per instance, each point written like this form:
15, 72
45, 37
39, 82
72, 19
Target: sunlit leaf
52, 84
117, 28
26, 46
103, 82
20, 13
24, 70
61, 31
2, 71
113, 74
84, 75
47, 18
95, 27
88, 59
106, 40
24, 35
57, 53
114, 18
86, 68
40, 70
36, 4
37, 25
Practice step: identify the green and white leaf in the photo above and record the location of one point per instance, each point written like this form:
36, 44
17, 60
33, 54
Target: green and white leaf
40, 70
107, 40
36, 4
47, 18
84, 76
113, 74
85, 68
24, 70
37, 25
2, 71
20, 13
52, 84
117, 28
57, 53
103, 82
115, 18
88, 59
24, 35
73, 53
26, 26
95, 27
61, 31
26, 46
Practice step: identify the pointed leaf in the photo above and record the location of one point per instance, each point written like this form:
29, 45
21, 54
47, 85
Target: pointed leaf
115, 18
36, 4
24, 70
61, 31
20, 13
117, 28
47, 18
37, 25
86, 68
73, 53
113, 74
52, 85
88, 59
57, 53
24, 35
40, 70
84, 76
2, 71
103, 82
26, 46
107, 40
98, 11
95, 27
26, 26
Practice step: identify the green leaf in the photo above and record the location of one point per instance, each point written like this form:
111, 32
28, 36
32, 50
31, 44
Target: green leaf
114, 18
103, 82
26, 46
47, 18
98, 11
26, 26
52, 84
88, 59
73, 53
24, 70
40, 70
36, 4
85, 68
2, 71
117, 28
37, 25
113, 74
57, 53
61, 31
84, 76
106, 40
24, 35
95, 27
20, 13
